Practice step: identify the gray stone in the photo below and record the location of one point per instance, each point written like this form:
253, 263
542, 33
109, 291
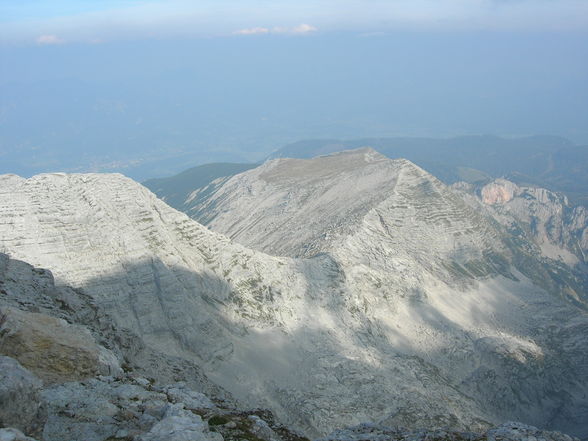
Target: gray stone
19, 396
262, 430
98, 409
181, 425
53, 349
506, 432
11, 434
179, 393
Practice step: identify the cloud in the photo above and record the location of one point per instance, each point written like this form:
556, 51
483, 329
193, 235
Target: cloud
49, 40
252, 31
300, 29
295, 30
304, 29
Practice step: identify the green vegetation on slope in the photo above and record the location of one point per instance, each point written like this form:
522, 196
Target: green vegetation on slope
176, 189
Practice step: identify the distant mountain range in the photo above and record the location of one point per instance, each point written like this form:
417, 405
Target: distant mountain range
550, 162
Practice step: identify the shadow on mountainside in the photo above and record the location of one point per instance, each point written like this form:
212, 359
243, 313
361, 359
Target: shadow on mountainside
31, 289
326, 359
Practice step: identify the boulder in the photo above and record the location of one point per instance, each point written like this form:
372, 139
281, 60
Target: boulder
261, 429
180, 424
11, 434
53, 349
19, 397
180, 393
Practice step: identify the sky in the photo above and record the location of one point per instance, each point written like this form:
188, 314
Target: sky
149, 87
60, 21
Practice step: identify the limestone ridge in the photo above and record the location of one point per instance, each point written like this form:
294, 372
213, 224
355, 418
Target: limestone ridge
409, 310
359, 203
281, 193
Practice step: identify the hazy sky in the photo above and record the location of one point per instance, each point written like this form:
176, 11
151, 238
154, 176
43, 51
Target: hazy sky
154, 86
55, 21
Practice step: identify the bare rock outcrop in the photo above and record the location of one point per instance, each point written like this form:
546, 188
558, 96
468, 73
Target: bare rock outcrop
500, 191
180, 424
130, 407
53, 349
559, 229
12, 434
19, 397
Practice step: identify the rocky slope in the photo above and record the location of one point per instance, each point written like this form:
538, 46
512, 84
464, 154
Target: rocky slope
411, 307
125, 407
128, 406
545, 217
508, 431
62, 334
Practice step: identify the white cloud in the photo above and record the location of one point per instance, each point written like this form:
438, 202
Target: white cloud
304, 29
252, 31
300, 29
49, 39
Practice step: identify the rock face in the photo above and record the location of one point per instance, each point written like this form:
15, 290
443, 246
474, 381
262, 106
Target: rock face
366, 210
53, 349
27, 289
542, 216
32, 290
293, 207
409, 302
19, 396
500, 191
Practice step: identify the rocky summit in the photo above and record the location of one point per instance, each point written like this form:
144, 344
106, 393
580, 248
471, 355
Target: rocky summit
352, 288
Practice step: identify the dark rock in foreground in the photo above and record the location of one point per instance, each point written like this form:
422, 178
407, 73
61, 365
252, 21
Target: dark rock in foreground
506, 432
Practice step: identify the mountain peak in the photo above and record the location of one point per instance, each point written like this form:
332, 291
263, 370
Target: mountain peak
320, 166
368, 153
304, 207
300, 203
